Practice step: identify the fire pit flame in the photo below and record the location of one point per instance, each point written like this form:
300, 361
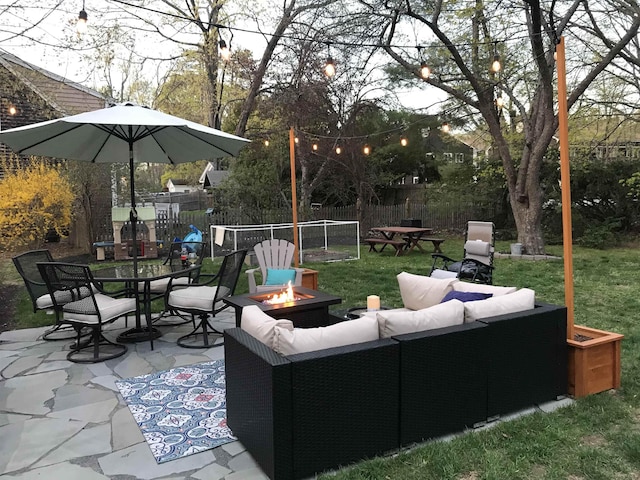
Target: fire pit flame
285, 296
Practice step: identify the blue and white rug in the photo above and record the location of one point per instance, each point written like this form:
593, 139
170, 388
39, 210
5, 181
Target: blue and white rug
181, 411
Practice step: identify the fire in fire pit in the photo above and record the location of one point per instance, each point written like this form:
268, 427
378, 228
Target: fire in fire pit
286, 296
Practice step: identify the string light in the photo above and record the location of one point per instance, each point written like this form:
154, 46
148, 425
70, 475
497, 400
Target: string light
12, 110
338, 150
225, 53
446, 127
366, 149
81, 24
296, 140
425, 71
403, 141
495, 65
329, 66
499, 101
266, 143
314, 147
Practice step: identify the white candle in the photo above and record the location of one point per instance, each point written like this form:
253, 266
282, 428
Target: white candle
373, 302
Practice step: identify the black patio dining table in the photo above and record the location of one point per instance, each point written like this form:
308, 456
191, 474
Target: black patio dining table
145, 274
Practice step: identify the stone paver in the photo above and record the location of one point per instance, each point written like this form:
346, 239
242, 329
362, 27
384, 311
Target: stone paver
60, 420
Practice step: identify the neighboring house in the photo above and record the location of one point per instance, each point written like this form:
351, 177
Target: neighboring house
30, 94
212, 177
179, 186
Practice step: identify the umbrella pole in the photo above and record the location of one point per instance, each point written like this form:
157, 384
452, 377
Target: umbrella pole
133, 214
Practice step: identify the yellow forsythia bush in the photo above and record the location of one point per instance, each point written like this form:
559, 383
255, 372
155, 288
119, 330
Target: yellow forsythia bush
34, 199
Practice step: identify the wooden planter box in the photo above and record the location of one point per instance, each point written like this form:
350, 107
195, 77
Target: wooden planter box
594, 365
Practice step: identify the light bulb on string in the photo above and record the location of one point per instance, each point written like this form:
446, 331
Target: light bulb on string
366, 149
266, 143
314, 146
403, 141
296, 140
495, 65
329, 65
81, 24
425, 71
499, 101
338, 150
445, 127
225, 53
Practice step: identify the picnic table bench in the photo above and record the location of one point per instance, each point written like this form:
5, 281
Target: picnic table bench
399, 245
436, 242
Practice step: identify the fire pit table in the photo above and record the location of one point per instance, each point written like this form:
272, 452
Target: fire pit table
309, 308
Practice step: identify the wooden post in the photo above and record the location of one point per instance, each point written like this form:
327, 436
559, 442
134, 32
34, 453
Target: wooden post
567, 238
294, 196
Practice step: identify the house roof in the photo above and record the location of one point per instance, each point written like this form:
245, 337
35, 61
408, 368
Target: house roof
178, 181
211, 177
63, 95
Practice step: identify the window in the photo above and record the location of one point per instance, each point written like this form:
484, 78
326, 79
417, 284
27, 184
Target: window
448, 157
459, 157
416, 180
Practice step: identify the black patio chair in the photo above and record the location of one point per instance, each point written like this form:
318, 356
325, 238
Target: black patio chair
205, 298
86, 305
39, 294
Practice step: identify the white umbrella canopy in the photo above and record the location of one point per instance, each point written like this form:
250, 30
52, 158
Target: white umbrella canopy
123, 133
108, 135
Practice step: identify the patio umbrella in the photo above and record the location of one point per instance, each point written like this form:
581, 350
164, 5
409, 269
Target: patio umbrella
123, 133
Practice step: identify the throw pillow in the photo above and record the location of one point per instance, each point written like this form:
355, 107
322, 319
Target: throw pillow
523, 299
280, 276
442, 315
477, 247
419, 291
260, 325
482, 288
301, 340
465, 296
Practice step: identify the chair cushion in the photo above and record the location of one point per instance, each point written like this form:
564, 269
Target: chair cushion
261, 326
477, 247
83, 311
195, 298
419, 291
523, 299
61, 296
392, 322
287, 342
160, 285
439, 273
280, 276
495, 290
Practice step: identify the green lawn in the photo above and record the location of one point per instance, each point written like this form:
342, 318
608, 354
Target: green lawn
596, 438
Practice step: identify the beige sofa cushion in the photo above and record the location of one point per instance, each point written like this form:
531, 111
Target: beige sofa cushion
481, 288
523, 299
261, 326
392, 322
299, 340
419, 291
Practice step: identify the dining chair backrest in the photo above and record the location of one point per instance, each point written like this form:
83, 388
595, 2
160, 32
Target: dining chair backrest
26, 264
69, 282
228, 276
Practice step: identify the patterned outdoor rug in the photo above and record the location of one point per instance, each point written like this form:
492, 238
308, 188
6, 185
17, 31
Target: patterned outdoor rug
181, 411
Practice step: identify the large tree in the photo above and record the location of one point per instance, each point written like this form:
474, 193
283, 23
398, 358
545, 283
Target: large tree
459, 42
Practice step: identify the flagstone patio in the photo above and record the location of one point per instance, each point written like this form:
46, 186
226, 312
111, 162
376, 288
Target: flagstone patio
65, 420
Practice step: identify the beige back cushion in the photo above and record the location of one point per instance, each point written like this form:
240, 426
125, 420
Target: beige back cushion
482, 288
299, 340
523, 299
261, 326
441, 315
419, 291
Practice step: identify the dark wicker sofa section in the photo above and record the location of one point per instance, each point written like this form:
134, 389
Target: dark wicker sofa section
315, 411
528, 360
443, 381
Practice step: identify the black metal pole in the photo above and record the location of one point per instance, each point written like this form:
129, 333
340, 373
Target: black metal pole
133, 214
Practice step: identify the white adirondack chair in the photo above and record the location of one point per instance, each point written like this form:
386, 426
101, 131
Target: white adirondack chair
272, 254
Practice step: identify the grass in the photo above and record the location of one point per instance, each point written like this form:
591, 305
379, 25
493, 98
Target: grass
598, 437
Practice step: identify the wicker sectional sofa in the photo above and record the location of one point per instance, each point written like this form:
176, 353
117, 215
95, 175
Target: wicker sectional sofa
304, 413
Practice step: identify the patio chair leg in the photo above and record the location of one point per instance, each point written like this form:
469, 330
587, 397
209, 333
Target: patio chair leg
203, 328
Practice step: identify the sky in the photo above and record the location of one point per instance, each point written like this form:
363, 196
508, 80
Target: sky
60, 25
